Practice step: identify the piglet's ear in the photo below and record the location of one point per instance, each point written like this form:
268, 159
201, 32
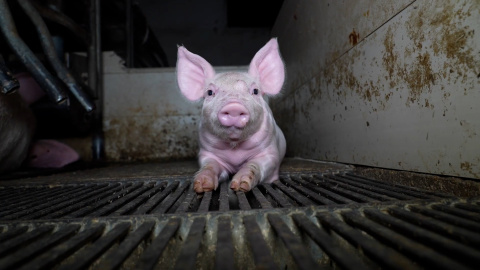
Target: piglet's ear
192, 73
267, 66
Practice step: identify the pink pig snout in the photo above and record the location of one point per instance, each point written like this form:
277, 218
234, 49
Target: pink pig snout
233, 115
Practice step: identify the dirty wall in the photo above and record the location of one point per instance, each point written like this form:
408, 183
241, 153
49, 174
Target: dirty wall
393, 84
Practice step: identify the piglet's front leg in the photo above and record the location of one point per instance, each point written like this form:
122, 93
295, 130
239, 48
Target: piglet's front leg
252, 173
246, 178
206, 179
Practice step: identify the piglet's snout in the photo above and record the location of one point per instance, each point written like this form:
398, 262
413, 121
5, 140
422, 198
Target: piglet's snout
234, 115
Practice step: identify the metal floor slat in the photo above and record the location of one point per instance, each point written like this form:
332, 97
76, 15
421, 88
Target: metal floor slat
224, 255
261, 254
188, 253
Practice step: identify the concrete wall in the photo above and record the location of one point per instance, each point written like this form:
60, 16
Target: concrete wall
393, 84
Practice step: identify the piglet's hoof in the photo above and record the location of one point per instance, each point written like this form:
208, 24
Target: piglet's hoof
244, 185
203, 185
50, 154
205, 180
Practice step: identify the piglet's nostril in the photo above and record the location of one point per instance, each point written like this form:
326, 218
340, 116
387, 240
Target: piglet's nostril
233, 114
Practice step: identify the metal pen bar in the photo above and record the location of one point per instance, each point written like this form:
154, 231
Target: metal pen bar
95, 82
61, 19
46, 81
49, 49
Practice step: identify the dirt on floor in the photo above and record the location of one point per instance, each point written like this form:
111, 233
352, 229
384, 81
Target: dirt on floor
460, 187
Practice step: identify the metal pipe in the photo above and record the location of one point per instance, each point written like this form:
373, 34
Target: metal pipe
8, 83
49, 50
49, 83
60, 18
129, 34
92, 50
95, 81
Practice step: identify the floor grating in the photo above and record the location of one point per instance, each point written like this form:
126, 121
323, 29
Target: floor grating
306, 220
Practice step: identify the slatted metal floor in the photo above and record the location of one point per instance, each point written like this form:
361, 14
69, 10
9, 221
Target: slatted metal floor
177, 196
307, 220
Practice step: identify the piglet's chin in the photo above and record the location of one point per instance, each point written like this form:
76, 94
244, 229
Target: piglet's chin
232, 134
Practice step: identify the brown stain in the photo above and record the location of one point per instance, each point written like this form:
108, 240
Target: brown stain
416, 30
446, 38
419, 75
340, 75
452, 39
150, 138
353, 38
390, 57
467, 166
387, 96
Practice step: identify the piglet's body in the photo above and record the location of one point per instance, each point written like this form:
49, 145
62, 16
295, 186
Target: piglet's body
238, 134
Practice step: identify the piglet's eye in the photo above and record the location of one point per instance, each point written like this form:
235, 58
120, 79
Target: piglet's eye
210, 92
255, 91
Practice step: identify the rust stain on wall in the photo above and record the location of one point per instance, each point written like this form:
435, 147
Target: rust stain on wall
444, 37
452, 41
342, 78
390, 57
354, 37
467, 166
418, 74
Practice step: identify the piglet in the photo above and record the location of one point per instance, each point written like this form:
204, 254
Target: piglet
237, 132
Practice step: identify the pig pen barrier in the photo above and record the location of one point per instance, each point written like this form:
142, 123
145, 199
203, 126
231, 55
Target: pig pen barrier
307, 220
